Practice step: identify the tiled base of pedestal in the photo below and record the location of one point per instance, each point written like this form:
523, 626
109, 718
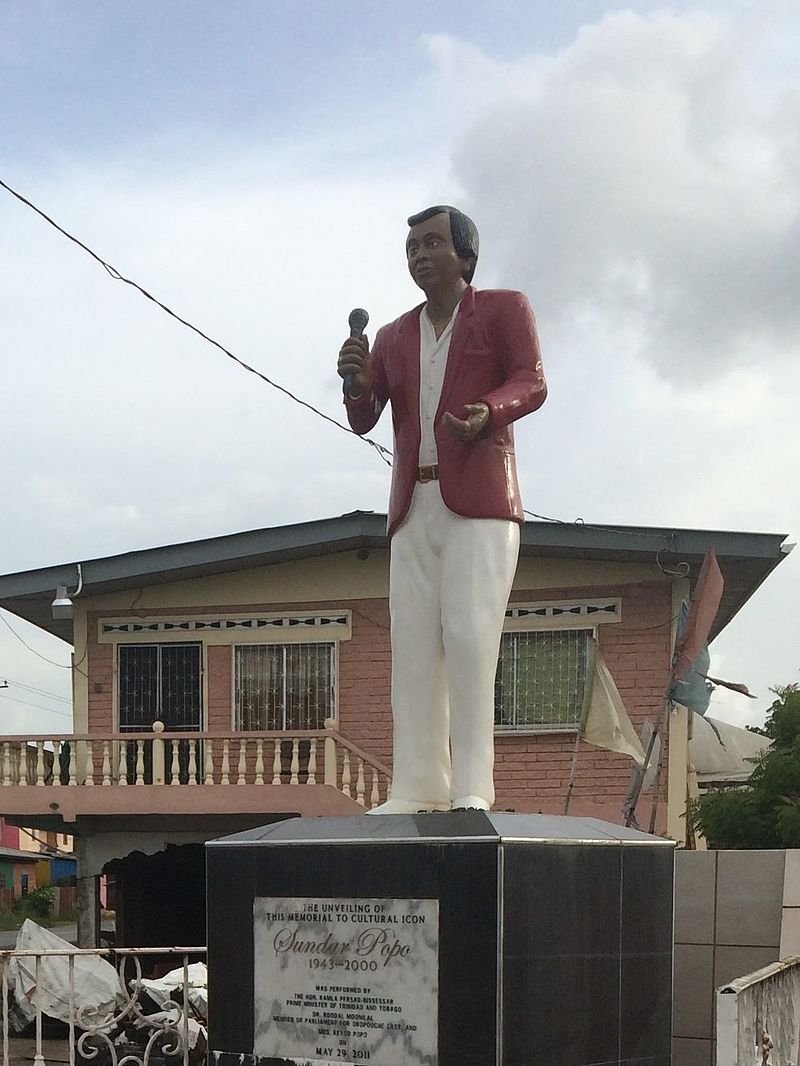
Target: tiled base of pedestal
554, 936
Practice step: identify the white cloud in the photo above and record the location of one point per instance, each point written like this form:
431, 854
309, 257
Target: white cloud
643, 173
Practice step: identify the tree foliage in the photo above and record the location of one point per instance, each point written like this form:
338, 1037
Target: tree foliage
766, 813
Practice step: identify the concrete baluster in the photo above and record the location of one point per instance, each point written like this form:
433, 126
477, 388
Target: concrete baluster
192, 761
346, 774
226, 763
175, 765
106, 764
139, 761
57, 763
360, 782
311, 778
73, 768
208, 773
89, 763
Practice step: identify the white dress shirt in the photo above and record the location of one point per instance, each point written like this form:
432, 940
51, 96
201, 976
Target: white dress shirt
432, 363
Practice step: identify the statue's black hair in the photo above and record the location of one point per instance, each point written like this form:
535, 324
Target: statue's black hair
463, 229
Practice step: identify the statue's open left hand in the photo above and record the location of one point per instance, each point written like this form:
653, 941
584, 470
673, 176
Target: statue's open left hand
466, 428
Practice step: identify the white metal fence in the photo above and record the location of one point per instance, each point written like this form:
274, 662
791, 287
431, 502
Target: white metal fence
122, 1030
758, 1017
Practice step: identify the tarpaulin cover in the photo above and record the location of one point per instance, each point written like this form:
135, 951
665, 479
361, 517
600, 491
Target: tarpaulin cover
96, 987
161, 989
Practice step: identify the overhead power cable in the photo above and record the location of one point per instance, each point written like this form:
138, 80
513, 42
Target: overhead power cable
40, 706
383, 453
36, 691
29, 690
22, 640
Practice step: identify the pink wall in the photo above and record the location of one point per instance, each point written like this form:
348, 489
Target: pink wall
9, 835
532, 771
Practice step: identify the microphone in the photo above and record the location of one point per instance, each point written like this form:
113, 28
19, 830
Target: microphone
357, 321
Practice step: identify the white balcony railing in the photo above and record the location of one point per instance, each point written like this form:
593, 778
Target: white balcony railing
37, 985
141, 760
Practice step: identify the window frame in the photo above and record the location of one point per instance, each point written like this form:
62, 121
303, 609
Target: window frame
555, 616
328, 624
541, 728
332, 645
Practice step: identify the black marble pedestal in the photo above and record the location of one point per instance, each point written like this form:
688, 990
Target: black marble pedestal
554, 934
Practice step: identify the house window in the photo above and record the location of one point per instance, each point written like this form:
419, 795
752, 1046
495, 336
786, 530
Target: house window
284, 686
541, 680
160, 682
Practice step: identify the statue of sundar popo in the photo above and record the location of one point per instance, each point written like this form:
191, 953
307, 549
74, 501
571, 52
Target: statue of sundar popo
458, 371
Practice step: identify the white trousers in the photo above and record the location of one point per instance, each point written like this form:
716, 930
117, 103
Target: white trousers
449, 583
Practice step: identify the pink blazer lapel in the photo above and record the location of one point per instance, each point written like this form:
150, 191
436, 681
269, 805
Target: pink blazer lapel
408, 358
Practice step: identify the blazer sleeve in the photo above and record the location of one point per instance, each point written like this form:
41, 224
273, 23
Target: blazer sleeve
364, 411
523, 389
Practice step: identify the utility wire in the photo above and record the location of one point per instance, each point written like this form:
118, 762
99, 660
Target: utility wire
37, 691
384, 453
52, 662
40, 706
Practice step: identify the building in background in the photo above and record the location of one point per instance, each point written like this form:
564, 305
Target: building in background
224, 683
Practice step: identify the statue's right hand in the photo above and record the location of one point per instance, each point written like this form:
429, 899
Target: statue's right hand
355, 360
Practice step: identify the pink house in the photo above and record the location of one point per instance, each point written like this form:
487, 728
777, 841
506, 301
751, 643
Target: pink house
224, 683
9, 835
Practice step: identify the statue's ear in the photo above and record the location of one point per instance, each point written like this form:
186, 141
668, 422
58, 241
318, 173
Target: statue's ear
468, 265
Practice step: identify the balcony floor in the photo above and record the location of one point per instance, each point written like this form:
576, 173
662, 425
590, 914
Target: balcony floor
63, 805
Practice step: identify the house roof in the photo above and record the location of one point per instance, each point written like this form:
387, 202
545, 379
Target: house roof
746, 559
14, 855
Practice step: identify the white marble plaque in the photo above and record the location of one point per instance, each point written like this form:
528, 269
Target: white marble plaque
349, 981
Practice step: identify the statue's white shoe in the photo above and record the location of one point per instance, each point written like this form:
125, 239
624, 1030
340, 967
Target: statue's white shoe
470, 803
401, 806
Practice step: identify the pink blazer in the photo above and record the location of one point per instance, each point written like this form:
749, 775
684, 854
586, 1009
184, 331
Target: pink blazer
494, 358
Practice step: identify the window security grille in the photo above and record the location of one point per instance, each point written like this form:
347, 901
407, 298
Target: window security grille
541, 680
284, 686
160, 682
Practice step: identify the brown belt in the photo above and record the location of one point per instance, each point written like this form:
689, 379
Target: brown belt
428, 473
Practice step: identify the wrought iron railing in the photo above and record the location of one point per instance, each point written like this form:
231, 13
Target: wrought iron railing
123, 1033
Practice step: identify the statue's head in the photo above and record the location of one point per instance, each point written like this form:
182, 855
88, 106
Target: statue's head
463, 232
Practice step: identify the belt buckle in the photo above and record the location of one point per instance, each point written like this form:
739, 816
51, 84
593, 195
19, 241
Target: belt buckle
427, 473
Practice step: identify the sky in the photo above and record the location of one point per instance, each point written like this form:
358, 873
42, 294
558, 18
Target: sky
634, 169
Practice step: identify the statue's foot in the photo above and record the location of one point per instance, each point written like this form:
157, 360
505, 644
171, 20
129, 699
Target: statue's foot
470, 803
401, 806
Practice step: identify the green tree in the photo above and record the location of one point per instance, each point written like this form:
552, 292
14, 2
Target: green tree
766, 813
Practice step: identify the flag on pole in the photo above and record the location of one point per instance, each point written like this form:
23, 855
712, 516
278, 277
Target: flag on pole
606, 723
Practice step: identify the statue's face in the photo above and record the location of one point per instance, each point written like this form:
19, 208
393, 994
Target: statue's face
432, 258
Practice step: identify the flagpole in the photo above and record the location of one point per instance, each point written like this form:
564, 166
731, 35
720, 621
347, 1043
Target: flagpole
657, 779
571, 784
637, 779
